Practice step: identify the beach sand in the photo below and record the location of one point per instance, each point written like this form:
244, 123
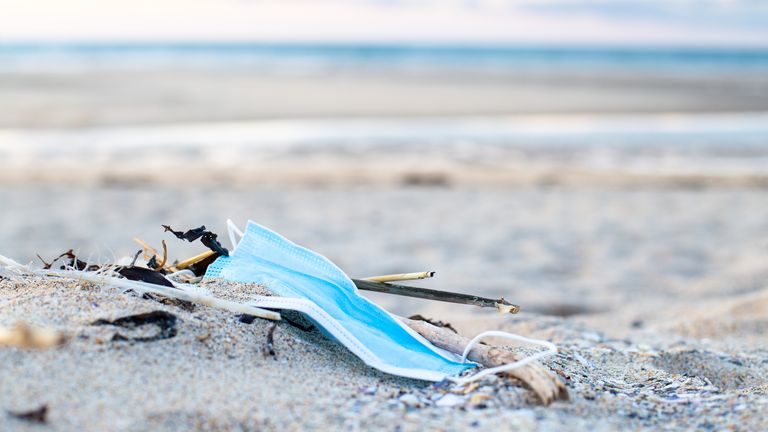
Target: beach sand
656, 297
92, 96
214, 374
630, 224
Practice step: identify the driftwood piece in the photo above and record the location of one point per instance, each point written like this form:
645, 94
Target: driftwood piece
24, 336
534, 375
501, 305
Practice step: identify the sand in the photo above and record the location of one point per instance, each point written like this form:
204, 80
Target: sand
554, 250
214, 374
631, 226
93, 96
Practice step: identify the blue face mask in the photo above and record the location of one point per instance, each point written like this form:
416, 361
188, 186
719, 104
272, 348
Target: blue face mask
310, 283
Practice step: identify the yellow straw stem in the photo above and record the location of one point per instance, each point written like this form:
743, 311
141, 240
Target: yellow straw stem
195, 259
401, 277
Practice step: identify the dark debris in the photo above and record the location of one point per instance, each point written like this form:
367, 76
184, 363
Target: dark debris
165, 321
269, 348
292, 318
246, 319
74, 262
144, 275
39, 415
206, 237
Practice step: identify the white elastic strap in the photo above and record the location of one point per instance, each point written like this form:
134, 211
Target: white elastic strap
232, 229
551, 350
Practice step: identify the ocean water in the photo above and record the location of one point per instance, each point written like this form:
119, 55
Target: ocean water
733, 143
380, 56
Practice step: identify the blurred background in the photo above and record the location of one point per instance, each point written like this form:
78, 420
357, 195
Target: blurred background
575, 157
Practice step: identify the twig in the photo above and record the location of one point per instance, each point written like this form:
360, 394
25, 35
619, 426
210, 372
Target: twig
45, 264
155, 253
536, 376
165, 256
136, 257
429, 294
401, 277
147, 248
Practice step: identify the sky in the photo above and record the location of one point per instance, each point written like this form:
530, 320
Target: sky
558, 22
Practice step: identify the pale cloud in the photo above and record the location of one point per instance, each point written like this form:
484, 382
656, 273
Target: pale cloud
467, 21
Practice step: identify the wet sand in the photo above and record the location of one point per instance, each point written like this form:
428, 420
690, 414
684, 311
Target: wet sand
87, 97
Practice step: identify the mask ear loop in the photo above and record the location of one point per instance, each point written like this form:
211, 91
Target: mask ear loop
232, 229
551, 350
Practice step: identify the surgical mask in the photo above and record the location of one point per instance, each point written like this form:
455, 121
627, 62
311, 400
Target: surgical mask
306, 281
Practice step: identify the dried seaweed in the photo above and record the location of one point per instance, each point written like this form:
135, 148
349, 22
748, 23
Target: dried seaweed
269, 348
165, 321
206, 237
199, 268
433, 322
74, 262
39, 415
144, 275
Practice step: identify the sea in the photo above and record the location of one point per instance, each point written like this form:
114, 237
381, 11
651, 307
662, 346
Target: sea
293, 55
702, 142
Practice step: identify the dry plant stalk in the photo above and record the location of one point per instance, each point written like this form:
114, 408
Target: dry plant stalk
179, 266
25, 336
149, 252
147, 249
534, 375
197, 258
401, 277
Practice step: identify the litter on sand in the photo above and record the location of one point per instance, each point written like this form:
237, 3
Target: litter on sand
300, 281
38, 415
165, 322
